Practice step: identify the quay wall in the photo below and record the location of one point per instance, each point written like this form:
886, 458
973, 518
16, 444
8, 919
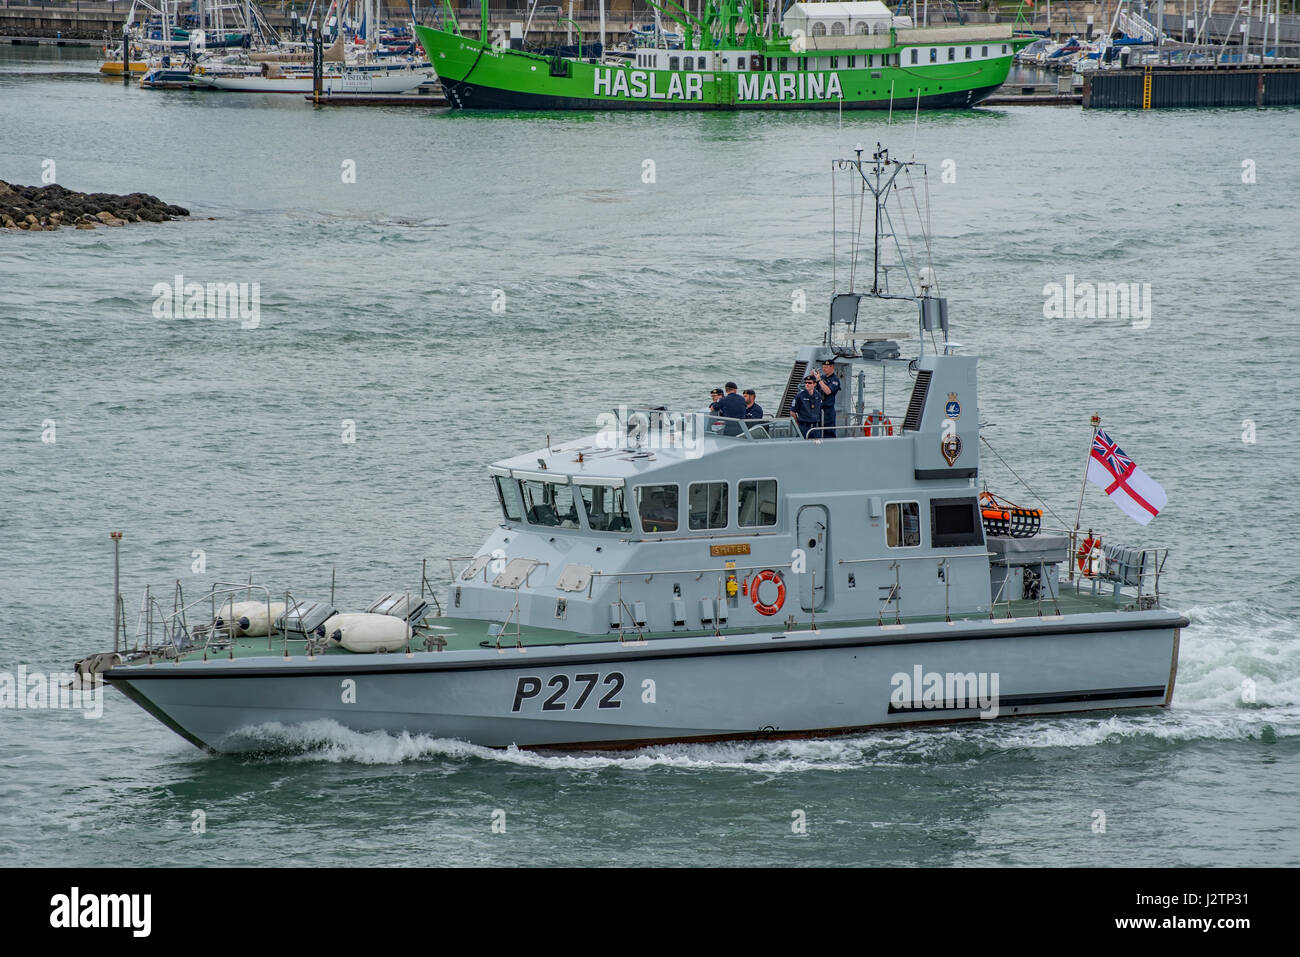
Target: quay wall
1173, 88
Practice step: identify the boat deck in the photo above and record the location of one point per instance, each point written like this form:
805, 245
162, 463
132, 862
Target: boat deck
463, 634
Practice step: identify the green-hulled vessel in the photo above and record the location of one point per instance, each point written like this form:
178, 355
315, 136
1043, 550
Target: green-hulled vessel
817, 56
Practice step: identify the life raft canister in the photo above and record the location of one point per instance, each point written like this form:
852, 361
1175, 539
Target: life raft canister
766, 608
877, 420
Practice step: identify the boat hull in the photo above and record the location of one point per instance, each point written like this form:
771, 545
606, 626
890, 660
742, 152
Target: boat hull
478, 76
464, 95
114, 68
358, 82
628, 694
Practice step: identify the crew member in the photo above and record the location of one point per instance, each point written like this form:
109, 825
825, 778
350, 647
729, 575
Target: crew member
715, 403
732, 405
828, 386
752, 409
807, 407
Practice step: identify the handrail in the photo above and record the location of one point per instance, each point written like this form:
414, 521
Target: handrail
699, 573
857, 434
1159, 555
174, 623
911, 558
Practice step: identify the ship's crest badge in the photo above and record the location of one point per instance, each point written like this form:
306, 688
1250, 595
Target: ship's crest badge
950, 446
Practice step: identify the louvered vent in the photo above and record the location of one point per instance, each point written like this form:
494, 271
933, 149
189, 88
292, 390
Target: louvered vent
792, 387
917, 403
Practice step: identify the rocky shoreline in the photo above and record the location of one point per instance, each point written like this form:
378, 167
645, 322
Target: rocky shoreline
36, 208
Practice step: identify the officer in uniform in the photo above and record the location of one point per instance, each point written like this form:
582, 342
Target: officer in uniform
807, 407
752, 409
715, 401
828, 386
732, 406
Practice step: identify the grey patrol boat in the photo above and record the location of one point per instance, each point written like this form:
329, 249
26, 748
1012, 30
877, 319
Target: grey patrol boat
689, 577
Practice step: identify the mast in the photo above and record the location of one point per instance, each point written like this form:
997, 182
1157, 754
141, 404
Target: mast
879, 175
879, 166
1078, 515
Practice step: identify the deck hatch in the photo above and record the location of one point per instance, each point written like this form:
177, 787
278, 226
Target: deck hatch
574, 578
515, 573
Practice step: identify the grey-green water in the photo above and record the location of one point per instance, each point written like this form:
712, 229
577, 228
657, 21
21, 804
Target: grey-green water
376, 306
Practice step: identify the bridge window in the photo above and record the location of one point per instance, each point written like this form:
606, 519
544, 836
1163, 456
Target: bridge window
853, 61
968, 53
756, 503
835, 63
688, 63
913, 56
550, 504
955, 521
740, 63
952, 53
902, 524
674, 63
657, 506
1004, 48
785, 63
606, 508
984, 51
934, 54
707, 505
512, 505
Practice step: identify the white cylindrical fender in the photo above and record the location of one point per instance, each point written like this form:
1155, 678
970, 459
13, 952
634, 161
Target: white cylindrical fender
367, 633
249, 618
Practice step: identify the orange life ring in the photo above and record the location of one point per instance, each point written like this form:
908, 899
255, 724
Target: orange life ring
763, 608
1085, 551
874, 422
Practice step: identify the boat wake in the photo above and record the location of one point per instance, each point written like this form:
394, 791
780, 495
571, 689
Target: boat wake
1229, 654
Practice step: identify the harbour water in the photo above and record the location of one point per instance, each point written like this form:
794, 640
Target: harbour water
220, 444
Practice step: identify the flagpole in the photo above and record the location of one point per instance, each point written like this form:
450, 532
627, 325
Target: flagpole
1078, 515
